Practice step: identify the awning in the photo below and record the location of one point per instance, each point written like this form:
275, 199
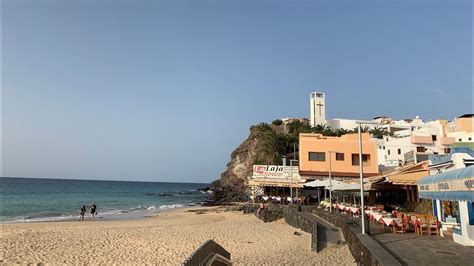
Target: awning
452, 185
407, 178
266, 182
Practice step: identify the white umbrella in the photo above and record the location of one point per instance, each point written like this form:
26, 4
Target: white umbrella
317, 183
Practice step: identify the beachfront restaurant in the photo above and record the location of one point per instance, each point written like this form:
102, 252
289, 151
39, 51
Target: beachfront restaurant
453, 202
398, 188
275, 181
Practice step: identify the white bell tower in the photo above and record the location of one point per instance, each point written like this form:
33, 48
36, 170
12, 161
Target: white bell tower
318, 109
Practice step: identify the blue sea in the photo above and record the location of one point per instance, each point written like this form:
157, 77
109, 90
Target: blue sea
35, 199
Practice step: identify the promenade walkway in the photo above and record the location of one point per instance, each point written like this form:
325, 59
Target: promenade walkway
412, 249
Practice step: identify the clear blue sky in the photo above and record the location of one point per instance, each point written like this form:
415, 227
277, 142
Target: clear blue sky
165, 90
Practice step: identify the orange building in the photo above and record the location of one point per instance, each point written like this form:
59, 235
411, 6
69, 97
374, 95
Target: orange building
315, 150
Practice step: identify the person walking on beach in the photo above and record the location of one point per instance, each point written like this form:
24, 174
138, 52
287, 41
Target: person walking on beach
93, 210
83, 211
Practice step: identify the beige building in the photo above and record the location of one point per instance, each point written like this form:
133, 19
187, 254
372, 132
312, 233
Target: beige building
316, 150
461, 129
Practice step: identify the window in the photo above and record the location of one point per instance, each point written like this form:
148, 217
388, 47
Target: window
470, 212
433, 137
339, 156
319, 95
317, 156
388, 152
383, 147
420, 149
447, 150
460, 140
365, 159
399, 151
450, 210
469, 138
435, 153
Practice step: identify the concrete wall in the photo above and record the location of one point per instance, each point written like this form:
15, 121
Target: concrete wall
462, 136
465, 124
348, 124
467, 236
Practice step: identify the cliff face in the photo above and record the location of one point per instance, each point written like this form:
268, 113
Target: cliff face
231, 185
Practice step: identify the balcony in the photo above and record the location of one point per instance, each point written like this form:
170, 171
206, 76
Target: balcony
421, 139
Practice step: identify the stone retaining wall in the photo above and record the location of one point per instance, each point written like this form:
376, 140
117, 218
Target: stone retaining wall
364, 249
250, 208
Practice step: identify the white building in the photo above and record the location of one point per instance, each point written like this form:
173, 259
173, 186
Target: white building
408, 141
317, 109
348, 124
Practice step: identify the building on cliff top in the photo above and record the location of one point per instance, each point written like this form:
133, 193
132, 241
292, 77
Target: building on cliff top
318, 151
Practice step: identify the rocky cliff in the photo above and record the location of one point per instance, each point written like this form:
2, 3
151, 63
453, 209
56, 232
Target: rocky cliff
231, 185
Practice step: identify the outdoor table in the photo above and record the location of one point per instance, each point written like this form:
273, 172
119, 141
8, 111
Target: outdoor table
379, 216
354, 210
371, 214
340, 207
392, 222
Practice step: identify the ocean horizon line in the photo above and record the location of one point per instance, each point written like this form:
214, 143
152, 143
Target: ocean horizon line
102, 180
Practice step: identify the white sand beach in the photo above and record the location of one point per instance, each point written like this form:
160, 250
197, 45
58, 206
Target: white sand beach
167, 239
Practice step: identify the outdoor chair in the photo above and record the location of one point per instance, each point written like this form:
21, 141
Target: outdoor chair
402, 228
433, 227
424, 226
412, 222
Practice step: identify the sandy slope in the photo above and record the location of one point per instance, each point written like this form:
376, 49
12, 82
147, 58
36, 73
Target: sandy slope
168, 238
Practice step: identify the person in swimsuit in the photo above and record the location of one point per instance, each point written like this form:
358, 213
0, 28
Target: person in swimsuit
83, 211
93, 210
